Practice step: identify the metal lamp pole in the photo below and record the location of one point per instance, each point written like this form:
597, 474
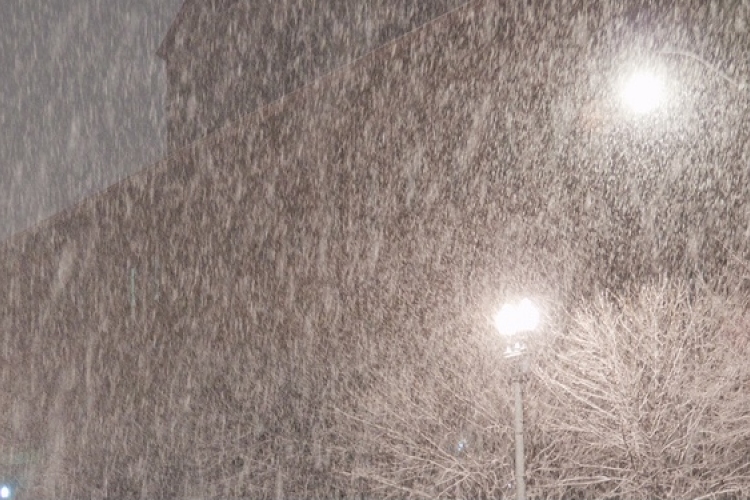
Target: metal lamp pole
518, 430
511, 320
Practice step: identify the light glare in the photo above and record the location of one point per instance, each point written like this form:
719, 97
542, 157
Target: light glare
517, 318
643, 92
4, 492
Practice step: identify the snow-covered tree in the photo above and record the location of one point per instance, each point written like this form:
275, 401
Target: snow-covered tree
639, 396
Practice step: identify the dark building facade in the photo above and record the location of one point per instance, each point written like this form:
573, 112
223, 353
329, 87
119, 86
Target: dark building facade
226, 58
199, 328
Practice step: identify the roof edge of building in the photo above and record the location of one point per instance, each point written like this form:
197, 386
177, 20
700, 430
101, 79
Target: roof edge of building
239, 123
168, 41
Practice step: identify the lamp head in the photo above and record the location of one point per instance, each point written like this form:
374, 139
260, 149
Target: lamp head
516, 318
643, 92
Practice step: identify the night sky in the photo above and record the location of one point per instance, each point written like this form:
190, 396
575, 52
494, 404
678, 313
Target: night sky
81, 90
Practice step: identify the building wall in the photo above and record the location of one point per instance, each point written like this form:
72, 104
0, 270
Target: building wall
231, 59
204, 316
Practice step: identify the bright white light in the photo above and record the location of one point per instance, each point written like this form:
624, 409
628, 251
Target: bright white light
517, 318
643, 92
4, 492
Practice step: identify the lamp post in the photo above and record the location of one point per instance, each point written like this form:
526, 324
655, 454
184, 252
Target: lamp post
510, 321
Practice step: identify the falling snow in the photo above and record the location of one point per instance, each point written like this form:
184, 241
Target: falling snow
296, 301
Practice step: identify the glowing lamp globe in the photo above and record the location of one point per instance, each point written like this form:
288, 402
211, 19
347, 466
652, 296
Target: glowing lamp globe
643, 92
512, 319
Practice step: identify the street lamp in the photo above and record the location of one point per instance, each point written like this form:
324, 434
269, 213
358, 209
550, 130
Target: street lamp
643, 92
5, 491
511, 321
